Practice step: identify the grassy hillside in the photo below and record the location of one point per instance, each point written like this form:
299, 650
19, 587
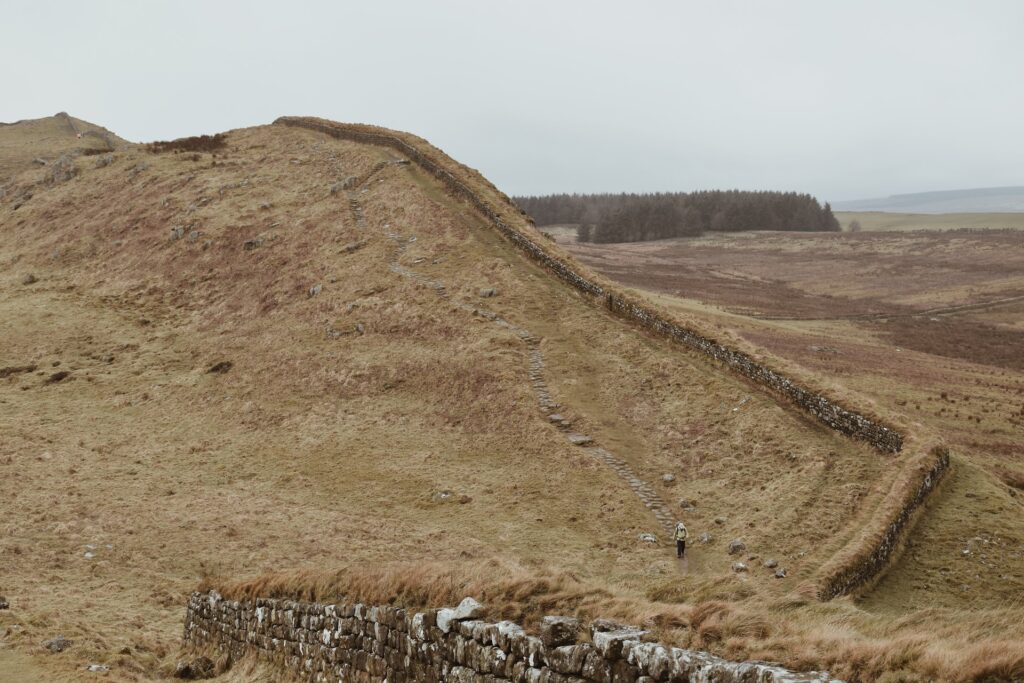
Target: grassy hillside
25, 143
215, 368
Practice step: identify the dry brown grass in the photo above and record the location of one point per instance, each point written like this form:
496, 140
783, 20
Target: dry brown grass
316, 450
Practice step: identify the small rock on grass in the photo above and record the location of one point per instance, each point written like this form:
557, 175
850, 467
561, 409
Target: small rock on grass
29, 279
3, 603
97, 668
780, 574
487, 292
58, 644
736, 546
771, 564
647, 538
739, 567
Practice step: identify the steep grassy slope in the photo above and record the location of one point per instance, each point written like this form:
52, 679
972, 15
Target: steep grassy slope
259, 379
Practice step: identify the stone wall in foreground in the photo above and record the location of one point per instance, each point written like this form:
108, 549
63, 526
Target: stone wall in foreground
362, 644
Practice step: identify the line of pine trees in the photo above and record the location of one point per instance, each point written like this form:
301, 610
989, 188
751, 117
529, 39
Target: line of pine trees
638, 217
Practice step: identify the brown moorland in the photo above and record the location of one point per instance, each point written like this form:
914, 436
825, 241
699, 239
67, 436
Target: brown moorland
347, 396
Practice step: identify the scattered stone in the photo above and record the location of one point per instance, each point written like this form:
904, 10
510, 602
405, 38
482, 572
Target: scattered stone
353, 246
442, 496
105, 160
669, 479
265, 206
315, 289
705, 538
39, 161
720, 520
771, 564
823, 349
468, 609
463, 499
194, 235
177, 232
488, 292
579, 439
647, 538
249, 245
97, 668
739, 567
3, 603
555, 417
558, 631
687, 504
58, 377
199, 668
220, 367
337, 187
780, 574
736, 546
360, 328
29, 279
58, 644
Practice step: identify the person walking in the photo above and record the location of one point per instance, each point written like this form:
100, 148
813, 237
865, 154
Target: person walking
680, 537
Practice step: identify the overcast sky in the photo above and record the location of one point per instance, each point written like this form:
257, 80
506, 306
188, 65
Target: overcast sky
841, 99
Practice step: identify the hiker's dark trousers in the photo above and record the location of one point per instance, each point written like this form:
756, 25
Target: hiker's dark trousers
680, 548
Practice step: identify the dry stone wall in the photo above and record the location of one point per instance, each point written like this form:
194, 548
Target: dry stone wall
867, 558
356, 643
848, 422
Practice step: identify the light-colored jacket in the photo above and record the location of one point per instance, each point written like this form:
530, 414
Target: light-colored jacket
680, 532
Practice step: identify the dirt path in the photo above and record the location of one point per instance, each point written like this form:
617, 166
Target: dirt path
648, 496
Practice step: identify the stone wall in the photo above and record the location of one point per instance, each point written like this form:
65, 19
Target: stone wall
862, 561
358, 643
862, 570
836, 417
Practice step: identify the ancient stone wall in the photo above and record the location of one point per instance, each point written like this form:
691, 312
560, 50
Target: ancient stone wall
358, 643
864, 569
864, 559
848, 422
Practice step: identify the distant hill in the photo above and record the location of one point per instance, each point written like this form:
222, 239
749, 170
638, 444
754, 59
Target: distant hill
980, 200
47, 138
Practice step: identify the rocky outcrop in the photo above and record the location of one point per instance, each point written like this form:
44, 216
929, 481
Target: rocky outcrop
359, 643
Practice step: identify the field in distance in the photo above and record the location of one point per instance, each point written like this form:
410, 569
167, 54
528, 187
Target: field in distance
884, 221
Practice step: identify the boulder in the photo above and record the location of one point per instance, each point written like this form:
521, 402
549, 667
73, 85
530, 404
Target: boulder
558, 631
736, 546
771, 564
199, 668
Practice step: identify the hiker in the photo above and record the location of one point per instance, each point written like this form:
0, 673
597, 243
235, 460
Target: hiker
680, 539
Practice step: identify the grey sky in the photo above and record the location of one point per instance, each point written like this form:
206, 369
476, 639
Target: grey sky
841, 99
